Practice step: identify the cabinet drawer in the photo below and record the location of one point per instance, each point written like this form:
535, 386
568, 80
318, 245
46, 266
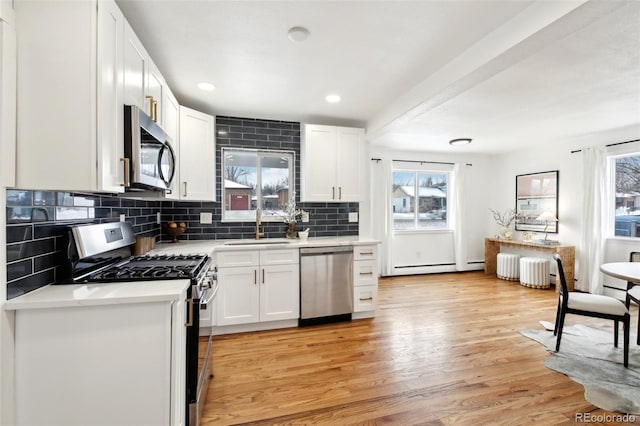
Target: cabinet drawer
365, 298
365, 272
279, 257
365, 252
237, 258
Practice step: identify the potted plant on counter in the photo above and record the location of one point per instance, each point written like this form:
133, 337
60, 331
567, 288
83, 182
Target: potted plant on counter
290, 216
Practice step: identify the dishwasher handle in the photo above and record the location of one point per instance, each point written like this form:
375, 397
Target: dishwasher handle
318, 251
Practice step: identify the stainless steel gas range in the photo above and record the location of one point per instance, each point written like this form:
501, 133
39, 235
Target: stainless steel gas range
101, 254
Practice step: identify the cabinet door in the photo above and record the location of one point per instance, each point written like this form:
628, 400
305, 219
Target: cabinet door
318, 151
349, 163
110, 132
8, 57
155, 93
197, 156
7, 11
135, 69
171, 120
279, 292
238, 299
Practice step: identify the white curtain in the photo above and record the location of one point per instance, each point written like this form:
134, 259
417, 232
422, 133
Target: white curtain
596, 215
458, 214
381, 197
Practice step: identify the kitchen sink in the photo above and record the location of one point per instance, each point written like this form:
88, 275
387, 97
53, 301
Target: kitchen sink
269, 241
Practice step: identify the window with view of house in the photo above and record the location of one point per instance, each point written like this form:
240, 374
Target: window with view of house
255, 179
420, 200
627, 196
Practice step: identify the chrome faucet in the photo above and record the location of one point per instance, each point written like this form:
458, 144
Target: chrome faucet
258, 222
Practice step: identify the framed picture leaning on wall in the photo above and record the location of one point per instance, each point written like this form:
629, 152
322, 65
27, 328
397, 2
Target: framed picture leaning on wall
537, 193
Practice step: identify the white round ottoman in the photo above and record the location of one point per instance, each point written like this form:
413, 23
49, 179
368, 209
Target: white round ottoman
534, 272
507, 266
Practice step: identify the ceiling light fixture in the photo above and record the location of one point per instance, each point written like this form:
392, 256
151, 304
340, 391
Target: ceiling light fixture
207, 87
460, 141
298, 34
332, 99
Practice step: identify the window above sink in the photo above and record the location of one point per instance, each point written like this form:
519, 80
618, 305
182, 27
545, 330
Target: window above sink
256, 179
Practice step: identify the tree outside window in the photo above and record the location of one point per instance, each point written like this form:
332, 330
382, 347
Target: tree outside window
256, 179
627, 196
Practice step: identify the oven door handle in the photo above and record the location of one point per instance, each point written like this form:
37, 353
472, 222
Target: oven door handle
208, 296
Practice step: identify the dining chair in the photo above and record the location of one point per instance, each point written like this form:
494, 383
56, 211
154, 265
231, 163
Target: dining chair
633, 291
590, 305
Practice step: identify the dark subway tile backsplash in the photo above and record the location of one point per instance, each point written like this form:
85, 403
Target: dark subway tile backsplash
37, 221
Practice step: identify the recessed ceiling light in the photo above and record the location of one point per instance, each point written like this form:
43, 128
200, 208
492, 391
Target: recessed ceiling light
332, 98
460, 141
207, 87
298, 34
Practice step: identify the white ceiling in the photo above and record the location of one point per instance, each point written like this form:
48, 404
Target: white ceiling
506, 73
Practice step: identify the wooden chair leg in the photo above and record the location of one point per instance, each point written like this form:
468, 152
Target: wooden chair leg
559, 326
627, 326
555, 326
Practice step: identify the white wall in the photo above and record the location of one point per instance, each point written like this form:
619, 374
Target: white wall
556, 155
437, 248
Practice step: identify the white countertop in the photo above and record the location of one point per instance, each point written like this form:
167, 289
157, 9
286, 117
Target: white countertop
75, 295
211, 246
70, 295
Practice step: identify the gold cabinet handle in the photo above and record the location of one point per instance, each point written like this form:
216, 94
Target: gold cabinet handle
368, 298
339, 193
189, 322
127, 172
155, 111
255, 276
185, 188
151, 101
262, 275
333, 192
366, 273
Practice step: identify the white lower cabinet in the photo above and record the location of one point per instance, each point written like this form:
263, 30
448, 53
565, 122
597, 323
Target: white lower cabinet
257, 286
115, 364
365, 278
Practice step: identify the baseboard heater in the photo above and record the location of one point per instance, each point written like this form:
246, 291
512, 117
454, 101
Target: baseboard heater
422, 266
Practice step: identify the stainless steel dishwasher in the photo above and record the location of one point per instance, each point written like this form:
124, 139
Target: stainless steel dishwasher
326, 284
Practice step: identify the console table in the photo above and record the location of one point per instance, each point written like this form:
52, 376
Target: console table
567, 254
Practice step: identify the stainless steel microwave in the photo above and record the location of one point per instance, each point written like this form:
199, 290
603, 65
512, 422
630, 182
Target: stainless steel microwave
149, 158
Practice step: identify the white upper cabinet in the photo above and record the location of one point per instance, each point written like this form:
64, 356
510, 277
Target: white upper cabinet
7, 11
7, 104
135, 70
69, 123
143, 83
331, 159
156, 86
197, 156
171, 125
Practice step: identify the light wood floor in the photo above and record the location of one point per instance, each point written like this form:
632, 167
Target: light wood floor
443, 349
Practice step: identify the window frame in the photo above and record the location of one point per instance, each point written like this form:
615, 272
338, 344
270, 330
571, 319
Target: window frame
612, 173
417, 171
260, 154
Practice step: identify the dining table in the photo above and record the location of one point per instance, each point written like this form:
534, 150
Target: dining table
628, 271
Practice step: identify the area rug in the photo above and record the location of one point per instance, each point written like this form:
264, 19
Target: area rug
588, 357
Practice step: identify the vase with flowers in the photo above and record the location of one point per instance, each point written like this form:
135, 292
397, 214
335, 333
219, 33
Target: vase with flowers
290, 216
504, 221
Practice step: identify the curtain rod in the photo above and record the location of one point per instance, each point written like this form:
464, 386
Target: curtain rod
611, 144
421, 162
